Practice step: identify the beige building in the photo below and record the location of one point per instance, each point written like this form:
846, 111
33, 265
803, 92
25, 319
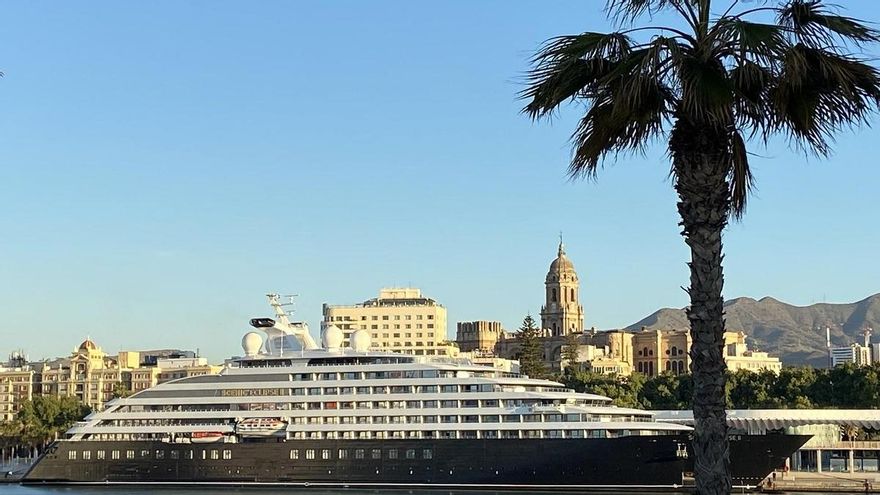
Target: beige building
87, 375
399, 320
478, 336
660, 351
562, 312
738, 356
16, 387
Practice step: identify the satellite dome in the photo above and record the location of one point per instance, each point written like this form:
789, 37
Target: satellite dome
333, 337
361, 341
251, 343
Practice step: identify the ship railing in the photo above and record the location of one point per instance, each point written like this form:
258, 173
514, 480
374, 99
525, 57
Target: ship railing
843, 444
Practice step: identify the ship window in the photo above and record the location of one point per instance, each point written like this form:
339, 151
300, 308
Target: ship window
489, 434
188, 454
469, 403
376, 453
392, 453
491, 418
227, 454
325, 453
412, 404
71, 455
468, 434
429, 374
449, 403
87, 454
343, 454
175, 454
214, 454
145, 454
114, 454
470, 419
312, 406
576, 434
315, 391
101, 454
510, 418
553, 434
429, 403
351, 376
532, 433
328, 376
449, 388
427, 454
363, 390
129, 454
429, 419
358, 453
490, 403
160, 454
449, 419
429, 389
310, 454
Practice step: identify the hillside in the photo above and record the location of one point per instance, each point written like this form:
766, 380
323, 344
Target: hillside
794, 333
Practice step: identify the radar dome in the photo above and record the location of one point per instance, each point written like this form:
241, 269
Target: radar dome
360, 341
333, 337
251, 343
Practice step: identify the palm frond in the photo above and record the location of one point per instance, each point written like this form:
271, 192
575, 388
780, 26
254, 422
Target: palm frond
629, 10
815, 25
741, 178
751, 84
566, 65
820, 92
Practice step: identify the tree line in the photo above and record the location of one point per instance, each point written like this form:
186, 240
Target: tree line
40, 421
843, 387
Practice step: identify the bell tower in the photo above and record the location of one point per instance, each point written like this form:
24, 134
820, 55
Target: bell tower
562, 312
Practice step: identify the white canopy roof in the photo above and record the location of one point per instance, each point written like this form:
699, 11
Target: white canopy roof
780, 418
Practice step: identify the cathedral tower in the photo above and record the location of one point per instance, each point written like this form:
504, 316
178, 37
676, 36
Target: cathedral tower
562, 312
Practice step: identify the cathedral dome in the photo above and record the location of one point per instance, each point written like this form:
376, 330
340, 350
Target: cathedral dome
561, 263
88, 345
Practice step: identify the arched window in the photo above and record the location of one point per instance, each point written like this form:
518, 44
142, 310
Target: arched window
645, 350
651, 368
681, 368
667, 366
572, 296
553, 295
640, 366
674, 350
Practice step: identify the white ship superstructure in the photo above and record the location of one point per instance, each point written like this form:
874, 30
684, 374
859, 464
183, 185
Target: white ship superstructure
293, 390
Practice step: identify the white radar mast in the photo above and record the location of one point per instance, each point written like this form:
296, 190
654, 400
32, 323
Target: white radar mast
281, 328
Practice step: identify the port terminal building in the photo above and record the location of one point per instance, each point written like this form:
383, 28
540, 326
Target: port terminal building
844, 440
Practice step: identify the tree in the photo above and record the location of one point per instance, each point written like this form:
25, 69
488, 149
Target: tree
571, 349
704, 89
531, 350
45, 417
120, 390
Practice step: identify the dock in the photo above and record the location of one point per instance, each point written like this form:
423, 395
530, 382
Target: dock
823, 483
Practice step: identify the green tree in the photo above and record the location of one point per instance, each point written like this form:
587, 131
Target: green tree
120, 390
571, 349
716, 78
45, 417
531, 349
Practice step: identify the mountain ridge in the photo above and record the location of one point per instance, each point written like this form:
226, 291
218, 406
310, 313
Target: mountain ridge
796, 334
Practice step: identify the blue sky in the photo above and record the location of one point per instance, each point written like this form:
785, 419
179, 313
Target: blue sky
165, 164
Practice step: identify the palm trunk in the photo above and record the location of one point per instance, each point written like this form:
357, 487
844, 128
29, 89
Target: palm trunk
701, 165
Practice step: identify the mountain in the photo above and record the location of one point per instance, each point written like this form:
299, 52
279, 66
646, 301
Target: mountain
794, 333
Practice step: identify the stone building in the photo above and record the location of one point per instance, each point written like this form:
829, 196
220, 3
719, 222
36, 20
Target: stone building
562, 312
478, 336
399, 320
16, 386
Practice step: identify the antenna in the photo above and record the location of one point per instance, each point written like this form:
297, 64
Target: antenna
867, 334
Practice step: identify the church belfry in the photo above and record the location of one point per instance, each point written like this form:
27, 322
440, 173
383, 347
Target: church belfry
562, 312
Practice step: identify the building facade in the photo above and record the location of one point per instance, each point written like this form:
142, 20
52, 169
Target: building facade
399, 320
562, 312
478, 336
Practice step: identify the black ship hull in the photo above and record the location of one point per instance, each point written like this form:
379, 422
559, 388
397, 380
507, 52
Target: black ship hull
636, 463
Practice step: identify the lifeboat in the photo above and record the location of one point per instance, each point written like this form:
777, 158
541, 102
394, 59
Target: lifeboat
260, 427
206, 436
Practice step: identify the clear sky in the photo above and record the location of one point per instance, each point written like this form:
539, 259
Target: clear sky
165, 164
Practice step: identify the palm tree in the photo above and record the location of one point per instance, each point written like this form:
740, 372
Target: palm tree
707, 85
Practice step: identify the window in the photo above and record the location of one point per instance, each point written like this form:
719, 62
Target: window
449, 388
376, 453
129, 454
392, 453
427, 454
101, 454
214, 454
325, 453
160, 454
359, 453
411, 453
71, 455
227, 454
294, 454
114, 454
145, 454
343, 454
175, 454
310, 454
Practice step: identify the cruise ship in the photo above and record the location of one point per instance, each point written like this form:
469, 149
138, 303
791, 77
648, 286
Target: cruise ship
292, 412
